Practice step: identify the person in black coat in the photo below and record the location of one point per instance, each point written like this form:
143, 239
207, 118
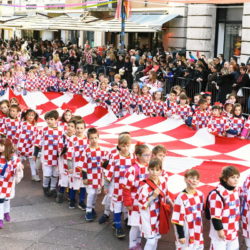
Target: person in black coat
242, 80
128, 69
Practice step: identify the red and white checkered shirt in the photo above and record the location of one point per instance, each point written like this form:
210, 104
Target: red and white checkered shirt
158, 108
54, 81
32, 83
228, 213
245, 207
101, 96
187, 212
247, 123
9, 81
235, 123
227, 114
145, 101
216, 125
24, 139
149, 219
72, 87
93, 158
134, 99
125, 98
169, 107
200, 118
48, 140
183, 111
43, 81
115, 99
118, 165
9, 127
89, 89
7, 178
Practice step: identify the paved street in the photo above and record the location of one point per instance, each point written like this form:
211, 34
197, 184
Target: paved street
40, 223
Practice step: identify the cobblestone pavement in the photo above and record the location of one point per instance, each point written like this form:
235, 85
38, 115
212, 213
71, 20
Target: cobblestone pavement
40, 223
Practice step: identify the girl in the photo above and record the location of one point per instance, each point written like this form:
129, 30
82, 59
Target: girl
32, 81
235, 124
157, 104
43, 81
73, 84
24, 140
102, 95
115, 99
195, 104
125, 94
53, 82
4, 109
134, 175
66, 117
231, 99
227, 112
149, 203
145, 101
134, 97
201, 115
246, 130
10, 172
224, 207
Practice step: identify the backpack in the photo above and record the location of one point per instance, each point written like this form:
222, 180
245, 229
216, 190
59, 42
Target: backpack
207, 207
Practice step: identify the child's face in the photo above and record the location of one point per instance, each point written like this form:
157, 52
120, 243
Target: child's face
30, 117
203, 106
103, 86
160, 156
80, 128
216, 112
154, 173
172, 97
158, 96
192, 182
232, 99
115, 88
124, 84
2, 148
144, 90
13, 113
13, 102
144, 158
237, 111
4, 108
183, 101
196, 99
124, 148
67, 116
51, 122
93, 140
135, 89
71, 129
208, 98
229, 108
233, 180
117, 79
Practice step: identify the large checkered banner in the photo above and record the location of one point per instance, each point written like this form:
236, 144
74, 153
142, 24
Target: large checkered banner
186, 147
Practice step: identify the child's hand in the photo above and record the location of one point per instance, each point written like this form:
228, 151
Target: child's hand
156, 192
105, 190
182, 241
85, 182
221, 234
129, 208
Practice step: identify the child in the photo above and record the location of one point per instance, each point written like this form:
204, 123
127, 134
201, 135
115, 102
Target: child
4, 108
24, 140
134, 97
159, 152
227, 112
224, 207
118, 165
11, 123
201, 115
125, 95
93, 158
187, 214
10, 172
231, 99
134, 175
115, 99
157, 104
145, 101
195, 105
246, 130
76, 150
89, 87
235, 125
245, 211
64, 171
216, 123
207, 96
170, 103
48, 141
102, 95
66, 117
149, 199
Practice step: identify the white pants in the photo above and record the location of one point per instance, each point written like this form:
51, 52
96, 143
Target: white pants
151, 243
188, 247
91, 198
4, 208
217, 244
32, 164
134, 236
49, 171
106, 202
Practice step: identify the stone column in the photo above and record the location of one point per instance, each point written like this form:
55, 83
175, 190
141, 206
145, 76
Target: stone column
201, 24
99, 38
245, 37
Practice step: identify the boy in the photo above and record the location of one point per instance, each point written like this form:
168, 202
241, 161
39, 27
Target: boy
159, 151
48, 141
224, 207
187, 214
115, 99
92, 159
170, 103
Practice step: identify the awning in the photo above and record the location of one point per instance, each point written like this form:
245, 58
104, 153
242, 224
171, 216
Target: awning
152, 21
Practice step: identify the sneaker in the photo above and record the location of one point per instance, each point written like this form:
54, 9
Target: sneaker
46, 191
35, 178
72, 204
104, 218
119, 233
94, 213
7, 217
89, 216
1, 224
53, 193
82, 206
59, 197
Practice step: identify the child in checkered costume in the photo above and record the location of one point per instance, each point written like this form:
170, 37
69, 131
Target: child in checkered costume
101, 95
89, 87
24, 139
145, 101
170, 104
11, 171
134, 97
246, 130
66, 117
76, 150
4, 110
11, 124
64, 175
133, 177
235, 124
48, 141
187, 214
149, 203
117, 167
92, 159
216, 123
245, 211
225, 211
115, 99
201, 115
157, 104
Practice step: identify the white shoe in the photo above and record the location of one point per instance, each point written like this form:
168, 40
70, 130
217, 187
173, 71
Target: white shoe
35, 178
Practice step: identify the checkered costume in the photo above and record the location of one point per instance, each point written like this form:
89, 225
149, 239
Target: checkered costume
216, 125
48, 140
247, 123
228, 213
8, 177
235, 123
54, 81
63, 125
24, 139
19, 76
89, 89
169, 107
150, 209
93, 158
145, 101
72, 87
183, 111
9, 81
200, 118
125, 95
134, 99
245, 207
43, 81
9, 127
157, 108
227, 114
100, 96
115, 99
32, 83
187, 212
